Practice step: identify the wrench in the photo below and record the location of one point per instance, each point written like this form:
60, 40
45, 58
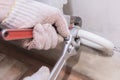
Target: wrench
70, 49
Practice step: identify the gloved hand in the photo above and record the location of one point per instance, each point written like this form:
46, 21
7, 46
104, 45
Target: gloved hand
44, 37
31, 13
42, 74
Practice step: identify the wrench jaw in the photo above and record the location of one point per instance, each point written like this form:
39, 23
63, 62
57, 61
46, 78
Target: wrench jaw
73, 42
70, 49
76, 39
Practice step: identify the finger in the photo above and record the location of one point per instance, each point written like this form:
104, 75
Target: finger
38, 41
61, 25
48, 40
25, 43
54, 37
55, 16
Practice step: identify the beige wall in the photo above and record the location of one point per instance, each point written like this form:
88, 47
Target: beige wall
99, 16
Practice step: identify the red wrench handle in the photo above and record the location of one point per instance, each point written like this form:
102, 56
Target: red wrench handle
15, 34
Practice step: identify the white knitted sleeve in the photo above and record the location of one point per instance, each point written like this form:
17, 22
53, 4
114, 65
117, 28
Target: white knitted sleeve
5, 8
25, 14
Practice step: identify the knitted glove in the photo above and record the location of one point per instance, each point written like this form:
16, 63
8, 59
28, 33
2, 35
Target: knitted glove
42, 74
45, 37
28, 13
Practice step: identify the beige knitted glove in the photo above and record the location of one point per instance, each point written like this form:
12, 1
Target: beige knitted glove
28, 13
42, 74
45, 37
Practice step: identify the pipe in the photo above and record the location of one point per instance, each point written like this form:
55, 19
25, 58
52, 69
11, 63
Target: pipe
95, 41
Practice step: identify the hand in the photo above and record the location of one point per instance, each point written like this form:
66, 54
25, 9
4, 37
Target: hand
28, 14
44, 37
42, 74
